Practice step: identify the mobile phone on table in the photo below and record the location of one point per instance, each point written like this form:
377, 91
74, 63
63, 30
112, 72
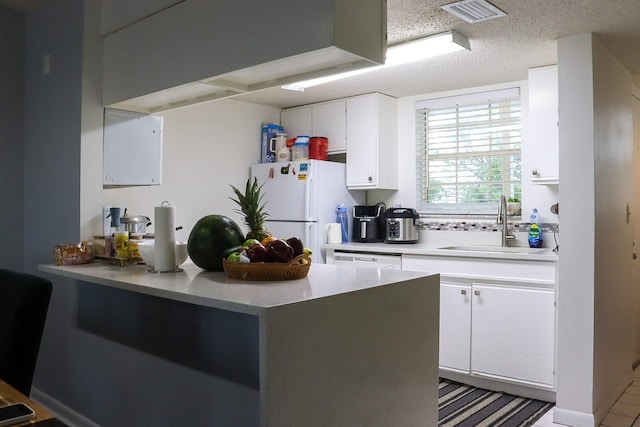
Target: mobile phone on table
15, 413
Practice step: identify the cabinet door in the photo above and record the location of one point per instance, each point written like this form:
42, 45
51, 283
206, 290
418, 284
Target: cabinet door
330, 120
513, 333
362, 142
455, 327
544, 135
132, 148
296, 121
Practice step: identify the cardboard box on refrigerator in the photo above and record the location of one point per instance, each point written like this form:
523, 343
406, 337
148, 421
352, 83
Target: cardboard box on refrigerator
269, 130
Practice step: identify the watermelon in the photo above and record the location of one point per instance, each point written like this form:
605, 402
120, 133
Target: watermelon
210, 237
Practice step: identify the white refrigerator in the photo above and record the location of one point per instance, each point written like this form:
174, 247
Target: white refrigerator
302, 197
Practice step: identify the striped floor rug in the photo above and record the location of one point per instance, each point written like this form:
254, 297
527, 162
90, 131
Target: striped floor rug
461, 405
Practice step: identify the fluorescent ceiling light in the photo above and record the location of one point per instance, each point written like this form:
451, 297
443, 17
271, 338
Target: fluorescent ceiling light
427, 47
403, 53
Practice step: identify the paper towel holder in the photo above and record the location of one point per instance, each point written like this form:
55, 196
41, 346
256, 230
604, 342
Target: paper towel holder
172, 229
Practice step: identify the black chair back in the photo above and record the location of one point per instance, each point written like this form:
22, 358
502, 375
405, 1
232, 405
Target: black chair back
24, 300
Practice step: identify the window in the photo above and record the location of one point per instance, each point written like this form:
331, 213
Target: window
468, 152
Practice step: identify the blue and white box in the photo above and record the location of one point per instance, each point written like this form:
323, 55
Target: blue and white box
269, 130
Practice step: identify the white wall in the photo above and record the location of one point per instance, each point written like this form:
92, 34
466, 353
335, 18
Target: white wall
614, 234
207, 147
219, 140
595, 333
541, 197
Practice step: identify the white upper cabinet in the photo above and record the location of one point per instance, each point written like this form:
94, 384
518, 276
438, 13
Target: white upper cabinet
330, 120
372, 142
365, 127
326, 119
200, 50
132, 148
297, 121
543, 136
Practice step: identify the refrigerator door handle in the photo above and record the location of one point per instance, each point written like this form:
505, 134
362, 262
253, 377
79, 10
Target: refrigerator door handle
307, 235
307, 198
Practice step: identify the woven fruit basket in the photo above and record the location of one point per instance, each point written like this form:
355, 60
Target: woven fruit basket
297, 268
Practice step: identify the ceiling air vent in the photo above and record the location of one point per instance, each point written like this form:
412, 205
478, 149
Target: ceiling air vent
474, 10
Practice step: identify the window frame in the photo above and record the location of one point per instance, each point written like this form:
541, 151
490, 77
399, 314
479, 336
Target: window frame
511, 187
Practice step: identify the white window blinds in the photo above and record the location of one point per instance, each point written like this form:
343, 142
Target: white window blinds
468, 152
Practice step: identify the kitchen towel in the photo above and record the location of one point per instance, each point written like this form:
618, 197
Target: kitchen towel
334, 233
165, 238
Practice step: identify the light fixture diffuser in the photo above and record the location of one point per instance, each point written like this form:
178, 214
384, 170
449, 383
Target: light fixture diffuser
427, 47
402, 53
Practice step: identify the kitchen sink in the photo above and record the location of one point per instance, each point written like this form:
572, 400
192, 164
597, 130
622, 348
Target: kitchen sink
498, 249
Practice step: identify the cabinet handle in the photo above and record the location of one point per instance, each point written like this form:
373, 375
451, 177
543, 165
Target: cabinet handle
476, 292
370, 179
463, 291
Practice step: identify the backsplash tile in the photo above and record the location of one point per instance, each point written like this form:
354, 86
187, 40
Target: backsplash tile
485, 226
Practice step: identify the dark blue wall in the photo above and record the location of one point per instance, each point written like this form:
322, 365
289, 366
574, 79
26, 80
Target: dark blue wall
157, 362
12, 39
53, 107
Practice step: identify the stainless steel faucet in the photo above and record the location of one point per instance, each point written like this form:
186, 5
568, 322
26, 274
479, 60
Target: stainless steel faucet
503, 219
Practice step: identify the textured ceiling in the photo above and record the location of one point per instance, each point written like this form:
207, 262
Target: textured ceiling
501, 49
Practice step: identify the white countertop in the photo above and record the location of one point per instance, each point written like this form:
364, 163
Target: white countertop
492, 252
214, 289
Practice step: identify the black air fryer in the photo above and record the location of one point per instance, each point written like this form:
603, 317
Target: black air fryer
368, 224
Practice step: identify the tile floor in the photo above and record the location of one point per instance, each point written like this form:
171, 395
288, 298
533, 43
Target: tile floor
624, 413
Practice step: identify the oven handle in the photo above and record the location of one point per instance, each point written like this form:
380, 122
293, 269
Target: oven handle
364, 259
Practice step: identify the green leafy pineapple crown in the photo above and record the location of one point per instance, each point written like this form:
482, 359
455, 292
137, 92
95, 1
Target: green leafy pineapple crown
252, 209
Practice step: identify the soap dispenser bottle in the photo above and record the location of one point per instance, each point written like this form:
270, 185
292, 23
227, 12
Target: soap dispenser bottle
535, 233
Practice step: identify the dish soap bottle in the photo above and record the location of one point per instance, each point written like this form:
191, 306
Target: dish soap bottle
535, 233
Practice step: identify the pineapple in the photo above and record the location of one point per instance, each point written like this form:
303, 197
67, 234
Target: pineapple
252, 209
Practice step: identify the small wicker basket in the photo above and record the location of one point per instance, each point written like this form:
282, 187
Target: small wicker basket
297, 268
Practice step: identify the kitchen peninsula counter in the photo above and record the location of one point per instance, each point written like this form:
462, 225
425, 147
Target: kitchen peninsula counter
344, 346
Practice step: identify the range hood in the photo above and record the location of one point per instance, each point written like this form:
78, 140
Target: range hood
197, 51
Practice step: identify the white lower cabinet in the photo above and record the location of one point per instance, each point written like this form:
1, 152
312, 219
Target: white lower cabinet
499, 327
513, 333
455, 327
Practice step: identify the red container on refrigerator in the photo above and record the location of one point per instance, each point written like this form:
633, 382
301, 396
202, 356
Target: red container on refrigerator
318, 147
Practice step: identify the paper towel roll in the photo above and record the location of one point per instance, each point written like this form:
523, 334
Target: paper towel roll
165, 238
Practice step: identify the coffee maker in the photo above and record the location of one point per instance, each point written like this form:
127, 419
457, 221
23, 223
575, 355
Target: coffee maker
368, 224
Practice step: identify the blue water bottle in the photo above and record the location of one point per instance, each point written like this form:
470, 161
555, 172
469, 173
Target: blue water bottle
342, 219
